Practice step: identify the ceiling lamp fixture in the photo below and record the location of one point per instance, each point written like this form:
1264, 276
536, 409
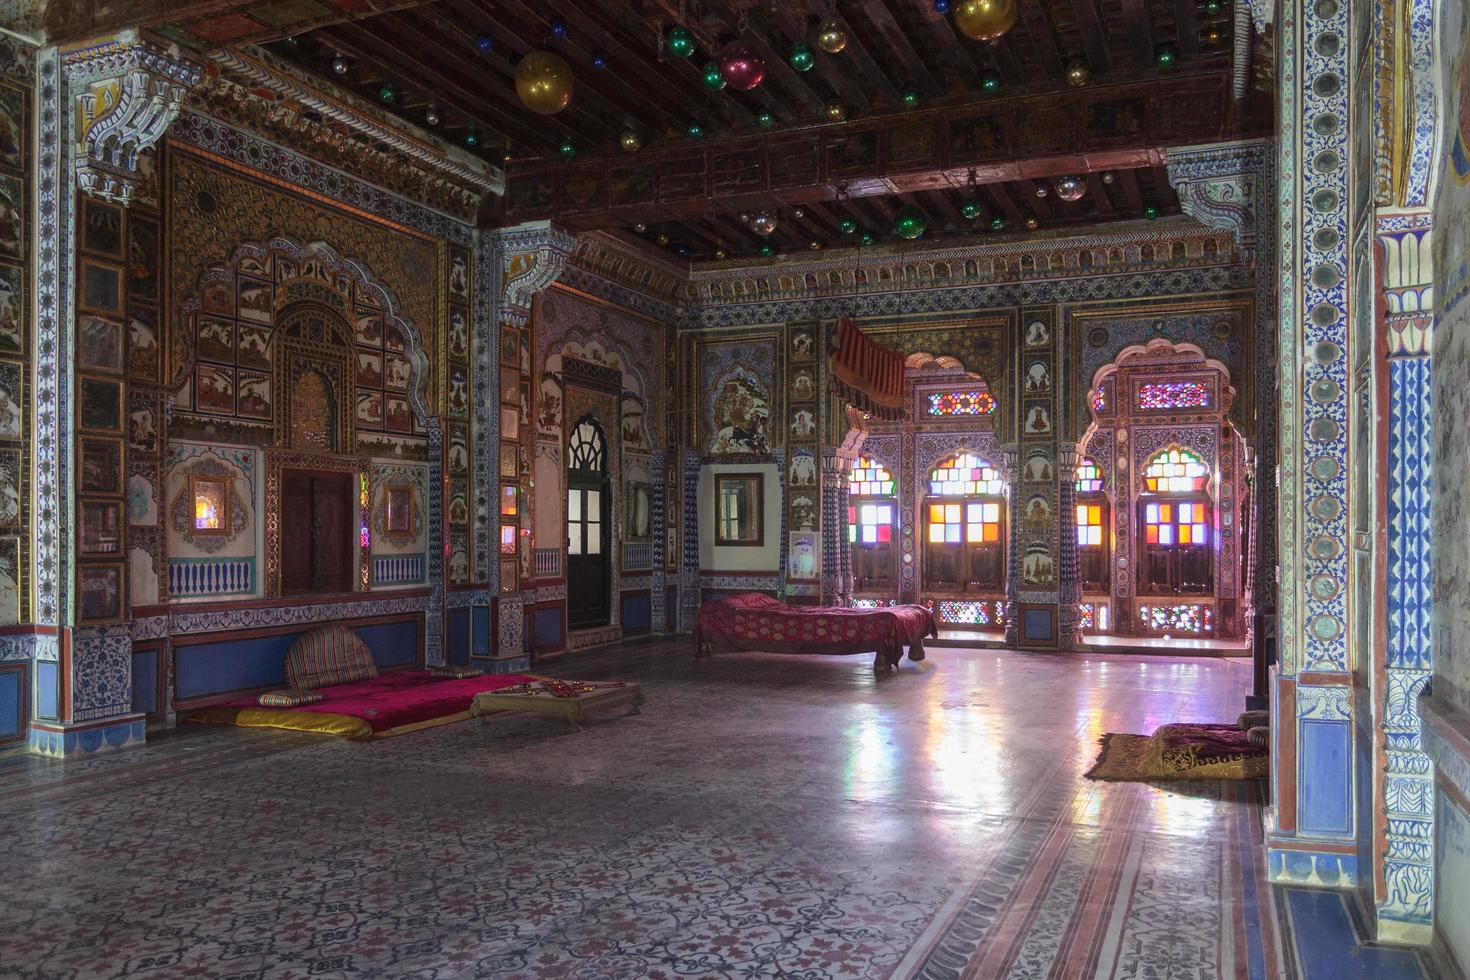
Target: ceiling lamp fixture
544, 82
985, 20
1071, 188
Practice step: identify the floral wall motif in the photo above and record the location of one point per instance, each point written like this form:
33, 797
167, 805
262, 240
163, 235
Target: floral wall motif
17, 177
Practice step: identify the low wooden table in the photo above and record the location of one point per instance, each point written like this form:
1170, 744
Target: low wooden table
558, 698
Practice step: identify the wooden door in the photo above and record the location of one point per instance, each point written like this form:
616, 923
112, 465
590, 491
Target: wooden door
318, 548
588, 546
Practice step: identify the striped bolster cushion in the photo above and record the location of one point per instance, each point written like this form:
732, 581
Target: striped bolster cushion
288, 699
328, 655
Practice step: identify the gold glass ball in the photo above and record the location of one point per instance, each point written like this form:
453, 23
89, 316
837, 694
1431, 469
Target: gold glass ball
662, 238
985, 20
544, 82
831, 36
836, 111
1078, 74
763, 224
1032, 223
630, 141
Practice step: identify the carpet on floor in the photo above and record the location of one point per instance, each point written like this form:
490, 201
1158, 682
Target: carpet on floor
394, 703
1181, 752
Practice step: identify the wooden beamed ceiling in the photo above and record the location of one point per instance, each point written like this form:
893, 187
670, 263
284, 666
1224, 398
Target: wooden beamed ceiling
963, 142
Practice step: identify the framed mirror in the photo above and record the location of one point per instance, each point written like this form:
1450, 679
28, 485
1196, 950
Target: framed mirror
739, 507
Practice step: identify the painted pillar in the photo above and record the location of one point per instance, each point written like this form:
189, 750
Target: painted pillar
1399, 838
1069, 579
102, 107
1011, 455
1326, 362
531, 257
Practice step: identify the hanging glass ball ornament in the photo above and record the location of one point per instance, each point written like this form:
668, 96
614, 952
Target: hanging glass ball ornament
680, 42
802, 58
558, 27
763, 223
814, 246
1032, 223
719, 253
798, 212
997, 223
835, 110
599, 60
941, 6
713, 80
1151, 212
1166, 57
867, 238
431, 116
745, 217
985, 20
970, 209
1213, 7
831, 36
847, 225
1109, 177
768, 250
640, 227
568, 149
471, 138
339, 65
1041, 190
990, 82
662, 238
695, 130
910, 98
1078, 73
742, 66
630, 141
1071, 188
910, 222
681, 249
544, 82
765, 119
484, 43
387, 94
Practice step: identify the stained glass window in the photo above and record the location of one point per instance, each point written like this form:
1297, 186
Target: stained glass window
1099, 399
965, 475
1089, 526
870, 523
1175, 471
508, 503
869, 479
1154, 395
1184, 524
966, 401
507, 539
973, 522
971, 612
1089, 476
1179, 619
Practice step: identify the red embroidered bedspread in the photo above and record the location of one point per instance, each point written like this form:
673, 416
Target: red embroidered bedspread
752, 621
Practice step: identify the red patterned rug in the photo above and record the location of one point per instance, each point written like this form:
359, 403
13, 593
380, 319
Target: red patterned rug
1181, 752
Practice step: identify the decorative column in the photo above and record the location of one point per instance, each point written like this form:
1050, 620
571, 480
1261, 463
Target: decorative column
532, 256
1012, 455
836, 561
1326, 372
1069, 576
101, 108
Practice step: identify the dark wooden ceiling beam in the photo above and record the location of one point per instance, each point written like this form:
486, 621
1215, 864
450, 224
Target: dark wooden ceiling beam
1001, 202
1140, 31
1094, 35
1043, 39
887, 28
204, 24
1186, 21
958, 49
1131, 193
1097, 192
779, 70
832, 69
880, 81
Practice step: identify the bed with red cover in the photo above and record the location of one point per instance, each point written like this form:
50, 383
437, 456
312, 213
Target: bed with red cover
752, 621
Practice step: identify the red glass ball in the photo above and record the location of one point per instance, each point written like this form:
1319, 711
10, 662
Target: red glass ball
741, 66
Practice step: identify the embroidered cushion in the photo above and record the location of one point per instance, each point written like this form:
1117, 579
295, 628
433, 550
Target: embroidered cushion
328, 655
288, 699
455, 671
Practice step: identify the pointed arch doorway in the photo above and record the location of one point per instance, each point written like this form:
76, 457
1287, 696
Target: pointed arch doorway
589, 543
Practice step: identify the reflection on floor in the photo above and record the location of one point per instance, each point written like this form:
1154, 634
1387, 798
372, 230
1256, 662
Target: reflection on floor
1175, 645
764, 816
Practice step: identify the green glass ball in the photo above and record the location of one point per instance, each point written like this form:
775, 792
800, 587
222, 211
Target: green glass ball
470, 139
766, 119
971, 210
713, 80
695, 130
1213, 7
768, 250
990, 82
1166, 57
387, 94
910, 222
997, 223
1151, 212
910, 99
867, 238
568, 149
847, 225
681, 42
802, 58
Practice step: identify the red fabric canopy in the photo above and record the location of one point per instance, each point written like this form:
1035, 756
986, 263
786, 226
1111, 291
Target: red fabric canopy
866, 374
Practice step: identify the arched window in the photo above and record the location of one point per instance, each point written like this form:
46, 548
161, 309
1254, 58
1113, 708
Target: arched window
587, 449
1174, 522
1092, 528
872, 520
964, 538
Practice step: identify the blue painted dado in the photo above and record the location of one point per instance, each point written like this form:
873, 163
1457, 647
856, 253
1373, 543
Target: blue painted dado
1325, 799
239, 663
12, 702
457, 636
547, 627
637, 612
59, 741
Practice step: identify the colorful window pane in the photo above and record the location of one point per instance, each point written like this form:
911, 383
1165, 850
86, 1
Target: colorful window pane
1099, 399
1155, 395
1089, 477
1181, 524
873, 603
1094, 616
870, 523
1175, 471
869, 479
976, 523
968, 401
965, 475
971, 612
507, 539
1177, 619
1089, 525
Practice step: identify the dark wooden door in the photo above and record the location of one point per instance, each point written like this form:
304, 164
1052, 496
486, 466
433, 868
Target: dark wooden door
318, 553
588, 545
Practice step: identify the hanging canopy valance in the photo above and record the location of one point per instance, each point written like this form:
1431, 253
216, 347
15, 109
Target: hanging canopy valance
866, 374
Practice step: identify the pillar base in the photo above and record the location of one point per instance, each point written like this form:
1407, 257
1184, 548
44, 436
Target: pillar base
1314, 868
60, 741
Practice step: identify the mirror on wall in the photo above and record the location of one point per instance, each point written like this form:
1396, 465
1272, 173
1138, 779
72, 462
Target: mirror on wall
739, 509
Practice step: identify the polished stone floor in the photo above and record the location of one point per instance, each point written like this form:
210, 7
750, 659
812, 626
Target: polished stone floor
765, 816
